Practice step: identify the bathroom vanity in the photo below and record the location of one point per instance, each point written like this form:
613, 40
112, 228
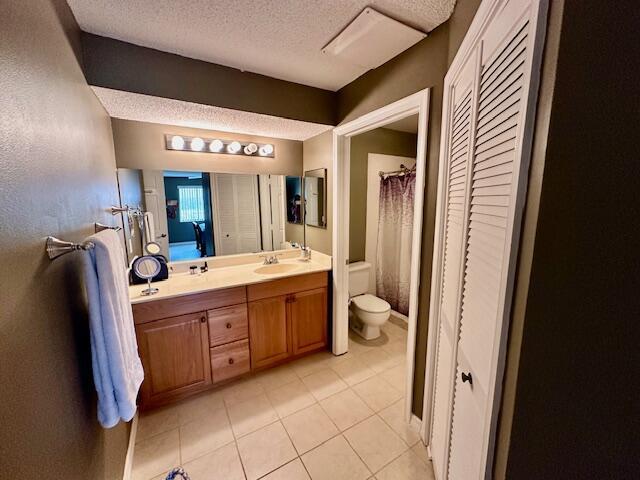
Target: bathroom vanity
204, 330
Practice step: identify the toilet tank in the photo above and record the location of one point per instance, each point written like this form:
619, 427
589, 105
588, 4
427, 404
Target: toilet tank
359, 278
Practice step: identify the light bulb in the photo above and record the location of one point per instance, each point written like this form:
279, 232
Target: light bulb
247, 150
252, 147
197, 144
234, 147
177, 142
266, 150
216, 145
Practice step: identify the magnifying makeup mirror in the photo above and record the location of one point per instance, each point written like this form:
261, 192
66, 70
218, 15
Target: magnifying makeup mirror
152, 248
147, 267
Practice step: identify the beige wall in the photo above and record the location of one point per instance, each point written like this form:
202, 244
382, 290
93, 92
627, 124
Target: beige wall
380, 140
317, 153
57, 171
141, 145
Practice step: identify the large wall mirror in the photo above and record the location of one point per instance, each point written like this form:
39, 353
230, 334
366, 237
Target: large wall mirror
202, 214
315, 193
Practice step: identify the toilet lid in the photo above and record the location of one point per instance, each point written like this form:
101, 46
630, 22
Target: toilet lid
371, 303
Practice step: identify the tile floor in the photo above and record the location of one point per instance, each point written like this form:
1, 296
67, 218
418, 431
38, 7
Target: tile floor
321, 417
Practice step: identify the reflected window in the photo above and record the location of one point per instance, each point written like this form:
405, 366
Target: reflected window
191, 203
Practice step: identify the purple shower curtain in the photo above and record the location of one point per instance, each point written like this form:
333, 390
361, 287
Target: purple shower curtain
395, 228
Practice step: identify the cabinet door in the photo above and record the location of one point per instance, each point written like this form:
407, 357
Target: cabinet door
175, 357
308, 313
268, 331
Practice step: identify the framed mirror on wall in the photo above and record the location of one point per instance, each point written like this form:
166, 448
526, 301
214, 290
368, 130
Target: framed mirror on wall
315, 196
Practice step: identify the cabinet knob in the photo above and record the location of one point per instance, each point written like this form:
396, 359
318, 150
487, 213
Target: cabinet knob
231, 361
203, 319
228, 325
466, 377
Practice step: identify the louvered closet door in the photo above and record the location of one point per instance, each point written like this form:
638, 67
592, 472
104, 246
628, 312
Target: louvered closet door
504, 82
456, 174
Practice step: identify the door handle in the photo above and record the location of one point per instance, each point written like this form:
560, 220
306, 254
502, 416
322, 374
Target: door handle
163, 235
467, 377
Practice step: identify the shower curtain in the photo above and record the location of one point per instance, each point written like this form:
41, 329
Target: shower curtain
395, 228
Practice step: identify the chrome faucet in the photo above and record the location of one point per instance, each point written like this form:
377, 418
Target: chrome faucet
305, 253
270, 259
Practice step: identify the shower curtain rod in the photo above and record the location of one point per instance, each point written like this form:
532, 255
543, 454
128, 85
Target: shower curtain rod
403, 171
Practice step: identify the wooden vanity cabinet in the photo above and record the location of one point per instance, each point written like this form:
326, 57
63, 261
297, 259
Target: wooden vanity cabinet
189, 343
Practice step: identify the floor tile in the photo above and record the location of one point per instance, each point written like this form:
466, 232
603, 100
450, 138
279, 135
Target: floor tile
324, 383
396, 376
156, 421
291, 471
156, 455
198, 407
378, 360
290, 398
221, 464
393, 416
377, 393
309, 428
276, 377
205, 435
421, 450
241, 391
311, 364
335, 460
375, 442
265, 450
393, 331
251, 415
407, 467
396, 347
353, 370
346, 409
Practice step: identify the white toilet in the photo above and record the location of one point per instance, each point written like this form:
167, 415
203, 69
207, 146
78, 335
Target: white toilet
367, 313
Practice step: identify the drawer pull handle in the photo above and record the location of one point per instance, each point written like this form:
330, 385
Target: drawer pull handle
466, 377
203, 319
228, 325
231, 361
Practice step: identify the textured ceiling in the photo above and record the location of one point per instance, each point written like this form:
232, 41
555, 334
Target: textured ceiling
145, 108
278, 38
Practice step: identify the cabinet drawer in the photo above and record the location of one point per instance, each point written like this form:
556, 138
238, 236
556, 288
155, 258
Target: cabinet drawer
228, 324
231, 360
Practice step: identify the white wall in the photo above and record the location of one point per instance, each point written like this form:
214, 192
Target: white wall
377, 163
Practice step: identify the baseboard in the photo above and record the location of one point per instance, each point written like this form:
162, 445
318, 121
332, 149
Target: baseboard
128, 463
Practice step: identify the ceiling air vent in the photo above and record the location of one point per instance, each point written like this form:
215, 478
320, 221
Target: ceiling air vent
372, 39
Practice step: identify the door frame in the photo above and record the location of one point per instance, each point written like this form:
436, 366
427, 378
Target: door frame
486, 12
417, 103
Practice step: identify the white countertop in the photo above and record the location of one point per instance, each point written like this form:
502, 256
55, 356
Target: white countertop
223, 275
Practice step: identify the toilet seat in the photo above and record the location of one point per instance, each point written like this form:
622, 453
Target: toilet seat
371, 303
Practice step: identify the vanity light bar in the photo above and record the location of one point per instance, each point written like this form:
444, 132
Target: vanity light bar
217, 145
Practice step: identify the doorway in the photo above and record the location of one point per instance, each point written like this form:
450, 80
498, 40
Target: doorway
416, 104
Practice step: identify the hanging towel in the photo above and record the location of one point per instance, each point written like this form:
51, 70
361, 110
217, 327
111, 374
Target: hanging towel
149, 228
117, 370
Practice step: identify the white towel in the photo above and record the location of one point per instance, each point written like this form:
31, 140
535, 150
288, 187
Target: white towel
117, 370
149, 228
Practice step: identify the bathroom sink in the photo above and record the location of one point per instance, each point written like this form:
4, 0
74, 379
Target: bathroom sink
276, 268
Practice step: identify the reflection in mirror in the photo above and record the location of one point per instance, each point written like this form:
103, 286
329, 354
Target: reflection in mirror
147, 267
189, 215
152, 248
315, 188
294, 200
